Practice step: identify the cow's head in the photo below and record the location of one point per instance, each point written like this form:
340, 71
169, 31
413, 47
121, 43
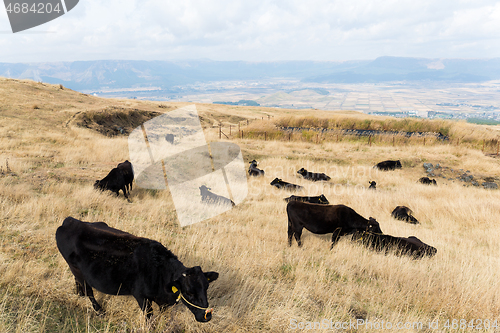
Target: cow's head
412, 219
373, 226
203, 189
419, 249
254, 162
323, 200
98, 185
276, 181
191, 289
302, 171
398, 164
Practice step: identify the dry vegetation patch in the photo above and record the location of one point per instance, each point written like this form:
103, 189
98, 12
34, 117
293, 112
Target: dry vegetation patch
114, 121
263, 283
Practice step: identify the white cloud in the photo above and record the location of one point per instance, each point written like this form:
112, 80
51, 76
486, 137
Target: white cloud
260, 30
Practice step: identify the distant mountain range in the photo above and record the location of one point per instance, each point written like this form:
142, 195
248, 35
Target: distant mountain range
390, 69
123, 74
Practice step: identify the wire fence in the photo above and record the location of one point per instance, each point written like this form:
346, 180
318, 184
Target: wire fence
243, 130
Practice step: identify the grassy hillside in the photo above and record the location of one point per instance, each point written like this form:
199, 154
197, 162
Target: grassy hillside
54, 143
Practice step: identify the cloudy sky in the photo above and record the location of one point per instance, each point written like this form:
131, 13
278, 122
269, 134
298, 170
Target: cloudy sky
259, 30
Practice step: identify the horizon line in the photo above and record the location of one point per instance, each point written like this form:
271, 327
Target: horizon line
245, 61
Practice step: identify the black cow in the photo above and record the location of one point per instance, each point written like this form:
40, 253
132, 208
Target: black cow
427, 181
320, 199
312, 175
404, 213
114, 182
287, 186
254, 171
388, 165
170, 138
323, 219
212, 198
128, 174
118, 263
373, 185
411, 246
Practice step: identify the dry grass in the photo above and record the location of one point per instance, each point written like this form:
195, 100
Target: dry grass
367, 123
263, 283
460, 133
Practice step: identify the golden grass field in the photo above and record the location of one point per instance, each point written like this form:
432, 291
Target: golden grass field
48, 164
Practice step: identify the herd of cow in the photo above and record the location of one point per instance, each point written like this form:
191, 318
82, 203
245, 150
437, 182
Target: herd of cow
316, 215
118, 263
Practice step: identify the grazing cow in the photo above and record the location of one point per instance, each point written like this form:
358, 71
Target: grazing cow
169, 138
114, 182
320, 199
287, 186
411, 246
212, 198
128, 174
312, 175
254, 171
118, 263
427, 181
323, 219
388, 165
404, 213
373, 185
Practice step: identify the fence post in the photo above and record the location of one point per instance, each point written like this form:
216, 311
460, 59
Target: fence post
370, 140
393, 139
289, 136
220, 130
424, 140
242, 134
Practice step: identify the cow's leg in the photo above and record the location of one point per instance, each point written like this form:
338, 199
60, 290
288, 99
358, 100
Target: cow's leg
145, 305
83, 289
297, 235
124, 190
290, 234
78, 280
335, 236
90, 294
294, 230
80, 291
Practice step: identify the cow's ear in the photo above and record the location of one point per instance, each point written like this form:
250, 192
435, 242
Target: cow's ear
211, 276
